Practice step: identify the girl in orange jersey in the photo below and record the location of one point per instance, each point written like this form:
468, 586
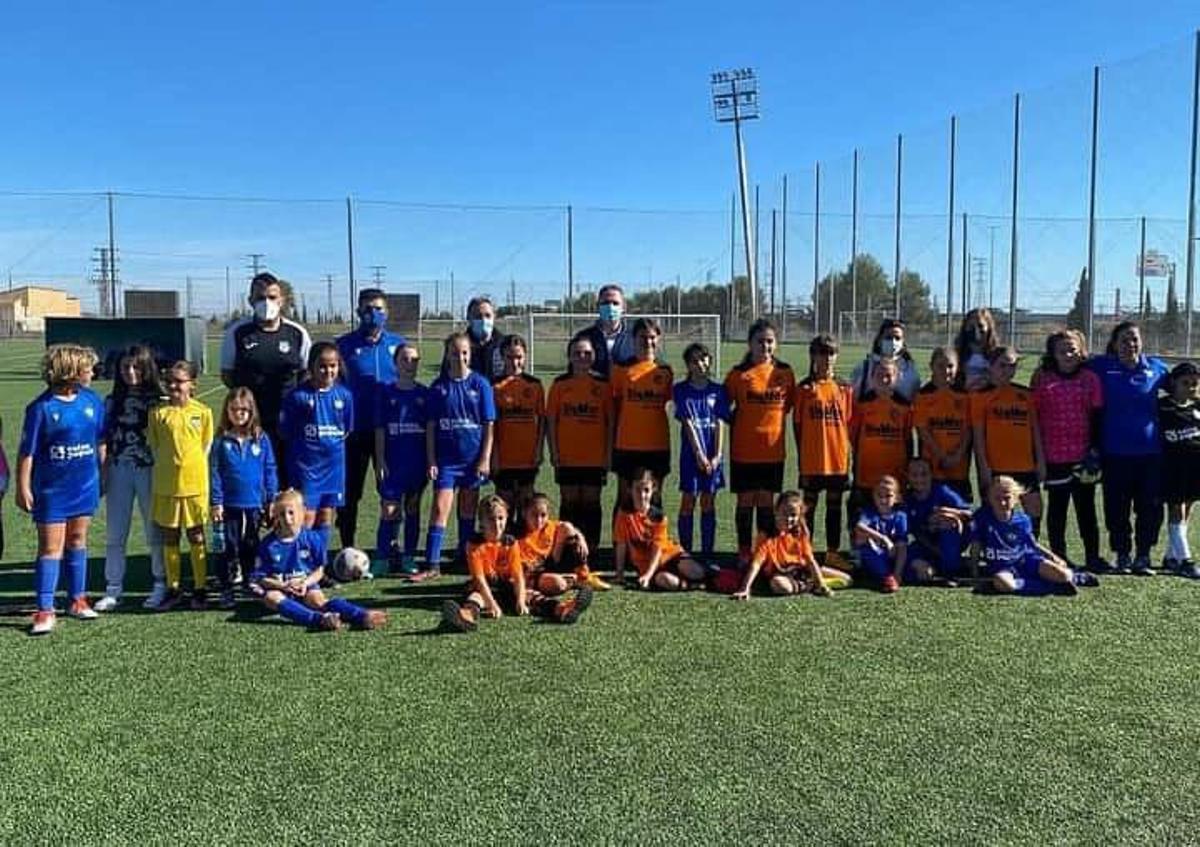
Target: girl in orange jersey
579, 429
497, 581
520, 428
942, 419
641, 391
640, 536
554, 553
1007, 437
821, 418
786, 558
760, 391
881, 432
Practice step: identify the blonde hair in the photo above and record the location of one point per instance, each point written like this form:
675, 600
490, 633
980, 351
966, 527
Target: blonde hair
490, 504
67, 364
288, 495
888, 479
1007, 483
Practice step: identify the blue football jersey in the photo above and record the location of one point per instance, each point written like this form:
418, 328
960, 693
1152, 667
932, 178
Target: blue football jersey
704, 408
1004, 543
315, 423
402, 413
459, 408
919, 511
894, 526
288, 559
63, 438
368, 366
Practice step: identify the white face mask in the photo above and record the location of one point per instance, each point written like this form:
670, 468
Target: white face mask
890, 347
266, 310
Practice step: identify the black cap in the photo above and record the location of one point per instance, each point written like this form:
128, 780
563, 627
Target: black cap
1184, 369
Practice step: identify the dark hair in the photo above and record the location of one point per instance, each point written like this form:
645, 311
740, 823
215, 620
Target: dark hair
645, 325
962, 343
822, 344
514, 340
1002, 350
406, 346
760, 325
535, 497
1111, 348
887, 325
183, 365
263, 280
321, 348
1049, 363
366, 295
477, 301
582, 335
147, 368
246, 396
610, 286
695, 349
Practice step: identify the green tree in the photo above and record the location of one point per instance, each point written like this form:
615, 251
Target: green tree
1077, 316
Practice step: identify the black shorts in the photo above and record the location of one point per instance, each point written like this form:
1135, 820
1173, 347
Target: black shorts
581, 476
1026, 479
833, 483
516, 478
756, 476
1180, 480
625, 462
569, 562
1060, 474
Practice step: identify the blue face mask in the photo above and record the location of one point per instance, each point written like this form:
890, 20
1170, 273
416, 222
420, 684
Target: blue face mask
481, 328
610, 312
372, 319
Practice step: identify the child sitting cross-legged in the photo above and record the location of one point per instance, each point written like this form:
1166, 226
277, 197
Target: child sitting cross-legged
786, 558
937, 520
555, 550
881, 537
290, 566
640, 535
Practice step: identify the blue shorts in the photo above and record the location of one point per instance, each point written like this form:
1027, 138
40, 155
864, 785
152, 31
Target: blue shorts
396, 486
692, 481
316, 498
458, 476
1025, 575
60, 509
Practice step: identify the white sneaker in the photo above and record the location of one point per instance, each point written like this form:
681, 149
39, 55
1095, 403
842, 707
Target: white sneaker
106, 603
82, 610
157, 595
43, 623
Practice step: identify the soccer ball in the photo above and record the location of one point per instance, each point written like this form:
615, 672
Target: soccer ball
351, 565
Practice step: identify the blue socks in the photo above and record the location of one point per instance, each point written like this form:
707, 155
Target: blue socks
297, 612
412, 533
326, 532
385, 537
351, 612
45, 582
433, 545
708, 531
950, 548
685, 523
875, 563
466, 528
75, 561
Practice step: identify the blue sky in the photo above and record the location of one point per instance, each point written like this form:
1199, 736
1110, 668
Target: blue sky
599, 105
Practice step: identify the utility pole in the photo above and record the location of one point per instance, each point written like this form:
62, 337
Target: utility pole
735, 99
112, 257
256, 264
453, 305
329, 296
101, 278
228, 295
377, 275
188, 309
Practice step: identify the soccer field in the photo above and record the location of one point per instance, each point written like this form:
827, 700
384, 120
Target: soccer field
928, 716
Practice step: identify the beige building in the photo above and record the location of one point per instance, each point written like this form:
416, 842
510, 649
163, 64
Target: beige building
24, 309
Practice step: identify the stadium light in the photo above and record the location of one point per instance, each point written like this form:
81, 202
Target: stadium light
735, 99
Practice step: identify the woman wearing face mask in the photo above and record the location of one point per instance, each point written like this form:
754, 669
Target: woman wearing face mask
888, 344
487, 345
610, 334
266, 353
368, 365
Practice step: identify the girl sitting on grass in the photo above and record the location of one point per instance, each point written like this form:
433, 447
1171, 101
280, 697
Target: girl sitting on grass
881, 536
289, 570
937, 520
786, 558
640, 536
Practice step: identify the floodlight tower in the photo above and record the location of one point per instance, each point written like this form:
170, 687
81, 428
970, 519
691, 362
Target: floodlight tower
735, 99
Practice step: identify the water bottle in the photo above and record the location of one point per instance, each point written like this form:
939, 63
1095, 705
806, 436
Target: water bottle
218, 537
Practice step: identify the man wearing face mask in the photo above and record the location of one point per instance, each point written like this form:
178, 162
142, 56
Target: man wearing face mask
610, 339
368, 364
266, 353
487, 345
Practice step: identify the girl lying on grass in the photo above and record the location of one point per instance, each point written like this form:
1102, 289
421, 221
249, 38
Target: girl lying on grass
786, 558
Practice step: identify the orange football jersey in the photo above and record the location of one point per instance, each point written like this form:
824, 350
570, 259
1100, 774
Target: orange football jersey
821, 418
580, 409
643, 535
641, 392
945, 413
1007, 416
761, 397
520, 406
881, 430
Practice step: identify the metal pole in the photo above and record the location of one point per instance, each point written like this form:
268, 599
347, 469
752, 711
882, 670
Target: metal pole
854, 239
783, 264
748, 239
774, 241
350, 253
896, 264
228, 295
570, 260
732, 261
453, 304
950, 235
1191, 225
966, 261
991, 298
112, 258
817, 253
1142, 273
757, 241
1089, 315
1012, 247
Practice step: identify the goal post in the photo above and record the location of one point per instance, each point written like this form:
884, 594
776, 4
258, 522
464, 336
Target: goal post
548, 333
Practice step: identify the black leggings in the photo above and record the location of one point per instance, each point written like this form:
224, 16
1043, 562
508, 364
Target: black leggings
833, 516
1059, 499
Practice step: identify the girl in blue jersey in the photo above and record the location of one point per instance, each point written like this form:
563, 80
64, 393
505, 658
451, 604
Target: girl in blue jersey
701, 407
458, 445
58, 478
400, 461
243, 481
316, 418
937, 521
881, 536
1012, 558
290, 567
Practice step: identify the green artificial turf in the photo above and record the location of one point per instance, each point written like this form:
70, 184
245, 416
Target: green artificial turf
931, 716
